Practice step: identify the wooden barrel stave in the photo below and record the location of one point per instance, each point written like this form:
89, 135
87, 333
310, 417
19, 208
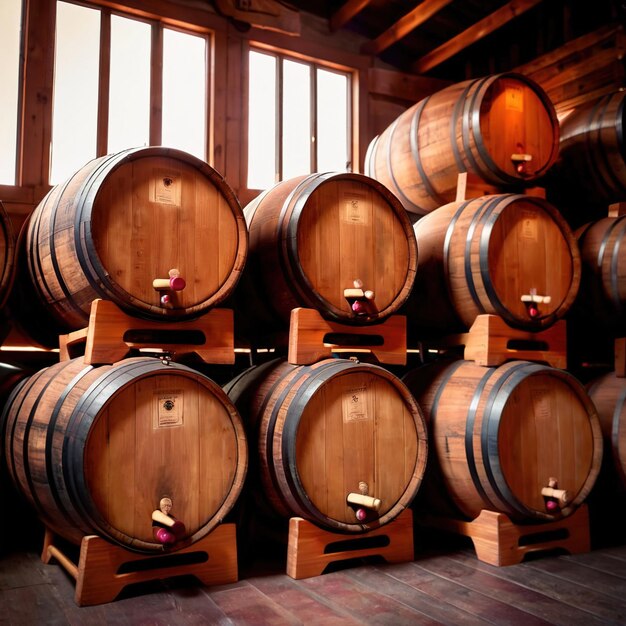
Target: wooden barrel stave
499, 435
592, 151
311, 453
608, 393
601, 299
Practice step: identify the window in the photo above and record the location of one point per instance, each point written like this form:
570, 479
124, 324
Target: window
108, 96
299, 119
10, 41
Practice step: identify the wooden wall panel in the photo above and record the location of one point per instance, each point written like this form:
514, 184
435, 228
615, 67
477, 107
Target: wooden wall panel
583, 70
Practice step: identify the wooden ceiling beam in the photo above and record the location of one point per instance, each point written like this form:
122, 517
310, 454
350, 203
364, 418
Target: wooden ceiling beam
404, 26
346, 13
473, 34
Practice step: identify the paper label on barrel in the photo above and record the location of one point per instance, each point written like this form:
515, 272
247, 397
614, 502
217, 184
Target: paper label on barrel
169, 409
165, 187
355, 210
514, 99
355, 405
529, 225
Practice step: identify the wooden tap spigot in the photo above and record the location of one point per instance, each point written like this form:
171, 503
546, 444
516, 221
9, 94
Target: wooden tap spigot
521, 160
358, 297
165, 527
532, 300
555, 497
175, 282
368, 502
362, 498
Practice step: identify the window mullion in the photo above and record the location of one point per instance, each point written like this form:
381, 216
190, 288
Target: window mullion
156, 86
102, 132
313, 142
279, 119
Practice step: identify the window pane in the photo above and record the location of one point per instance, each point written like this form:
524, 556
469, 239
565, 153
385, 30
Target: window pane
10, 27
184, 92
75, 107
296, 119
129, 89
332, 122
262, 121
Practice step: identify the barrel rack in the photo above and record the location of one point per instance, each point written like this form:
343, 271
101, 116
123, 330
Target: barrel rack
103, 568
496, 538
491, 342
310, 549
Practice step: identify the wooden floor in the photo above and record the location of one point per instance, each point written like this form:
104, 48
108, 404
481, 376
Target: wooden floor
445, 584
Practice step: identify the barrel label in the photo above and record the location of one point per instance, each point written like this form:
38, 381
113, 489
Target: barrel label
166, 187
530, 225
355, 404
169, 409
514, 99
355, 210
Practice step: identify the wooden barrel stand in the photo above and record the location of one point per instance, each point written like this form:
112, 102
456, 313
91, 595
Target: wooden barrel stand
498, 538
310, 548
104, 569
499, 541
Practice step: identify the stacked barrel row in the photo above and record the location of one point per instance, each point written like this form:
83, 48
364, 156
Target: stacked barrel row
95, 447
339, 442
517, 257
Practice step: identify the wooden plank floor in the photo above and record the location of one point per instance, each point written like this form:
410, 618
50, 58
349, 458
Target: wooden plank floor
445, 584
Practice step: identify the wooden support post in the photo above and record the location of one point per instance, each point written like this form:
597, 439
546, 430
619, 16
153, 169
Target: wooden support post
111, 334
311, 549
312, 338
104, 569
617, 210
498, 541
491, 341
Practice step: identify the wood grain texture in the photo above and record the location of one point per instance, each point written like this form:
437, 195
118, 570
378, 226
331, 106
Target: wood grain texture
474, 126
95, 449
608, 393
592, 158
482, 255
312, 237
126, 219
601, 299
322, 429
499, 434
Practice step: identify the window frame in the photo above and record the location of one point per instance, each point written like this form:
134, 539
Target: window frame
315, 63
158, 25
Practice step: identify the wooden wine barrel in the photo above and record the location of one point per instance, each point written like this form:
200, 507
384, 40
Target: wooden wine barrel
502, 128
7, 255
592, 152
94, 449
601, 298
499, 435
483, 255
126, 219
608, 394
311, 237
324, 431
